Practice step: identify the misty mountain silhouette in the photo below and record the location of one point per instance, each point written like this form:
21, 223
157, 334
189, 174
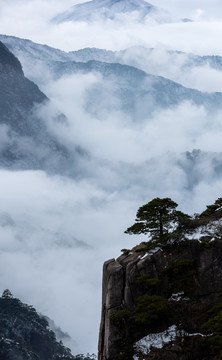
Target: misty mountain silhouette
18, 95
37, 53
138, 93
26, 142
110, 9
32, 335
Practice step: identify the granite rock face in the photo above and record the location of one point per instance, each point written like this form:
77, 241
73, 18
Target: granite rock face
192, 269
113, 287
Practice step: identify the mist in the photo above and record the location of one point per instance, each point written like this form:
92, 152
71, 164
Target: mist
32, 20
58, 228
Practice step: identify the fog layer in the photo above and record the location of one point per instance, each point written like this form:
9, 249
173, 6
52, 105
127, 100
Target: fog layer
56, 230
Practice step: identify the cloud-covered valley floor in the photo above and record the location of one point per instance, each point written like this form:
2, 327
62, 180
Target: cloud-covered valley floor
57, 230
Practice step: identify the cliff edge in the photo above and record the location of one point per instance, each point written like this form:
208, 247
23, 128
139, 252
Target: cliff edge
161, 303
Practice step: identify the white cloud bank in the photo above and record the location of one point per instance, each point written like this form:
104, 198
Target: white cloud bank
56, 232
31, 19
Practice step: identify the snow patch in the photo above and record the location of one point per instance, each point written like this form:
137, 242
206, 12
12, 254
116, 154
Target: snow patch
150, 252
178, 297
212, 229
156, 340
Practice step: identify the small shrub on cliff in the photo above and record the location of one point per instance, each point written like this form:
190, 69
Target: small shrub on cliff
152, 310
214, 326
126, 352
126, 251
118, 317
213, 211
180, 274
210, 220
177, 267
146, 283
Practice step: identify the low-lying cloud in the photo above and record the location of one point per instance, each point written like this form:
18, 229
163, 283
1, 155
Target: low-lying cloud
53, 227
177, 129
37, 15
56, 230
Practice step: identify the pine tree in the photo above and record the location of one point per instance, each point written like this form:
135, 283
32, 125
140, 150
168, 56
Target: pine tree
158, 218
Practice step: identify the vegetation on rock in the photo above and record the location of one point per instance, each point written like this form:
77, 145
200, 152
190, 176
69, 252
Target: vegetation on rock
160, 219
180, 276
165, 225
168, 286
214, 326
152, 311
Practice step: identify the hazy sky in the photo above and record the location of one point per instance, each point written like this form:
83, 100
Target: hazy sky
56, 232
194, 9
30, 19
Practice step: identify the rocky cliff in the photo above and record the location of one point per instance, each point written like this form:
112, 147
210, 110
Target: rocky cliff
150, 294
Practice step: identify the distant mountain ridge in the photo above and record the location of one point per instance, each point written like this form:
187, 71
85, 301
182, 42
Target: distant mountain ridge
138, 92
111, 9
24, 48
117, 88
33, 55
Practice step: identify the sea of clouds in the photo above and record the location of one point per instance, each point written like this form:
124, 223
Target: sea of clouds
56, 231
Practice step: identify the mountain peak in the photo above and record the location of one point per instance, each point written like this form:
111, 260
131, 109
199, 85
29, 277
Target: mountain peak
108, 9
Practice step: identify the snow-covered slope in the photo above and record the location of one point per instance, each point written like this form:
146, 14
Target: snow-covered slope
133, 91
177, 66
112, 9
31, 49
28, 50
